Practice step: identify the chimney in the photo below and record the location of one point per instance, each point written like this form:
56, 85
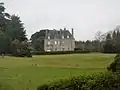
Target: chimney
64, 29
46, 33
73, 32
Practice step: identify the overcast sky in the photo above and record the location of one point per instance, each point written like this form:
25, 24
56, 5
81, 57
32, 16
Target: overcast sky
85, 16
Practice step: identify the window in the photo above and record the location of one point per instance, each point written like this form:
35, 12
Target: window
55, 49
48, 42
48, 50
48, 37
62, 37
63, 49
68, 37
55, 42
68, 49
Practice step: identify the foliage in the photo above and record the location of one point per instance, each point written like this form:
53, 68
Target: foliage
115, 65
101, 81
38, 40
15, 29
4, 44
13, 38
20, 48
4, 17
93, 46
112, 42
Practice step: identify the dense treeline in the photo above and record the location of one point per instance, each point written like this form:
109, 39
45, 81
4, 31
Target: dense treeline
93, 46
112, 43
107, 43
13, 38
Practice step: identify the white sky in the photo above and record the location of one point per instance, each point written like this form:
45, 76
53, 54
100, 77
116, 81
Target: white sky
85, 16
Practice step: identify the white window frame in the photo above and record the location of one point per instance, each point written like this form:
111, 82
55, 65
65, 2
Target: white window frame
48, 42
68, 36
48, 37
48, 50
55, 42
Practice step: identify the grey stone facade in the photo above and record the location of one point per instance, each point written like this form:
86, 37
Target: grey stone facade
59, 40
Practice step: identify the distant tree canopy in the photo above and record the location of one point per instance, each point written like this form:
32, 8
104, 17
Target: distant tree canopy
4, 17
13, 38
15, 29
38, 40
104, 42
93, 46
112, 43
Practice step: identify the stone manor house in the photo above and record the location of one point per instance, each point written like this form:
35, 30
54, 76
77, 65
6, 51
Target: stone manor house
59, 40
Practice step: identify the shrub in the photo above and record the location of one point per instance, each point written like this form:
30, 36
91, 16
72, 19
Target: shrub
101, 81
58, 52
115, 65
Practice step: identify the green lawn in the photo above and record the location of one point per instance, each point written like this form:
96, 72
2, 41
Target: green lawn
22, 73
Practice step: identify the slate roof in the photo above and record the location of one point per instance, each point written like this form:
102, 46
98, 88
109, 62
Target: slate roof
58, 34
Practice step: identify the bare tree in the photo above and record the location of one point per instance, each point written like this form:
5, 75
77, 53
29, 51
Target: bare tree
98, 36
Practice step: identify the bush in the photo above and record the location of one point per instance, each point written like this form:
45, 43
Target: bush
115, 66
58, 52
102, 81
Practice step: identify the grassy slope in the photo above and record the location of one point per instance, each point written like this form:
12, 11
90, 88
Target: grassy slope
31, 72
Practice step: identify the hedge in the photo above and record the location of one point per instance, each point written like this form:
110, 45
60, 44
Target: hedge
101, 81
58, 52
115, 65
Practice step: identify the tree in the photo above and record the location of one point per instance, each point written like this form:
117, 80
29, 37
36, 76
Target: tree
38, 40
4, 44
99, 40
20, 49
117, 44
4, 40
99, 36
15, 29
4, 17
109, 47
115, 65
13, 38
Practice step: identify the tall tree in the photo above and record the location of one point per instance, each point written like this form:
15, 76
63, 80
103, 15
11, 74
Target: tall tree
20, 48
4, 43
4, 40
4, 17
15, 29
108, 47
117, 44
38, 40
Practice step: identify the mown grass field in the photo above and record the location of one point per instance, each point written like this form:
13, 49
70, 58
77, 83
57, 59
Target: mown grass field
22, 73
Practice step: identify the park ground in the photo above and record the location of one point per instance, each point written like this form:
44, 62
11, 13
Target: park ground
23, 73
